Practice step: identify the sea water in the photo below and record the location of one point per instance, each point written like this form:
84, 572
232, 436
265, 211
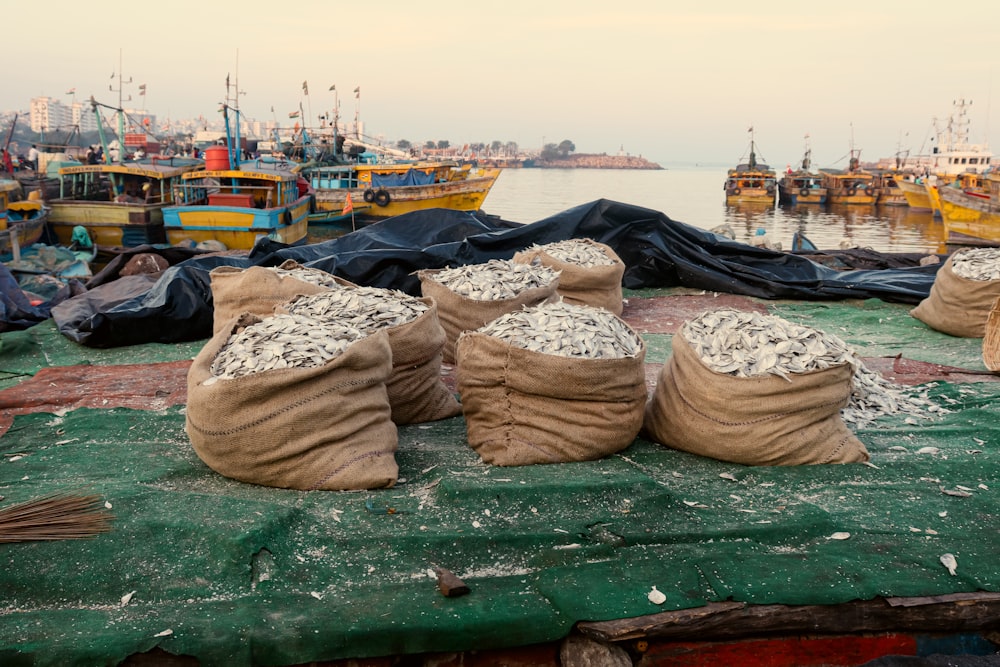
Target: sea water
694, 195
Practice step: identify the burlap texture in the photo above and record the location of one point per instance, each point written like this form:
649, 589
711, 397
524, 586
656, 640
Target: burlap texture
957, 306
754, 421
325, 428
523, 407
597, 286
415, 389
256, 290
458, 313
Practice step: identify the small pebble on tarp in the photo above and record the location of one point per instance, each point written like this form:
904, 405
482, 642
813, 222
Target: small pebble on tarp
450, 585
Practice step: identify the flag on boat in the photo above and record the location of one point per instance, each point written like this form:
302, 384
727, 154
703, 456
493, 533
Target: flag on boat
348, 205
305, 87
71, 91
142, 89
357, 91
294, 114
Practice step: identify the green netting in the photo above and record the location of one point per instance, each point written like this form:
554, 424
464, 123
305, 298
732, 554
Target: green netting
246, 574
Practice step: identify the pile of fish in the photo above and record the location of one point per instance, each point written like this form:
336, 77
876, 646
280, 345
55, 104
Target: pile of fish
282, 341
496, 279
566, 330
576, 251
977, 264
367, 309
747, 344
307, 275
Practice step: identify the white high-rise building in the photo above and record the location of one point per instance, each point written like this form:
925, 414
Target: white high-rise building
48, 114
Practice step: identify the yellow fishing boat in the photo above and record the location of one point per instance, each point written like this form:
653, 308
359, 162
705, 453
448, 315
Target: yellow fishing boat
387, 190
22, 222
850, 186
238, 206
802, 186
972, 218
915, 193
751, 181
120, 204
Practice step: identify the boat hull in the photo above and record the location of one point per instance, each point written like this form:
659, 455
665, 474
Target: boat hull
461, 195
795, 196
21, 234
915, 195
236, 227
969, 220
118, 224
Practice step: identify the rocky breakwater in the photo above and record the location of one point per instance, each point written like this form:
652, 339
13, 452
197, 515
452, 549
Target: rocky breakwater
596, 161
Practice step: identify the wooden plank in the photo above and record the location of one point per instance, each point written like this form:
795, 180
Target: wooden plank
734, 620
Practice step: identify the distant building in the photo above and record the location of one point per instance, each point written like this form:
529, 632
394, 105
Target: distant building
48, 114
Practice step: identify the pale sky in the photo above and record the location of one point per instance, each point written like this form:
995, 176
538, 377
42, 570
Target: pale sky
671, 80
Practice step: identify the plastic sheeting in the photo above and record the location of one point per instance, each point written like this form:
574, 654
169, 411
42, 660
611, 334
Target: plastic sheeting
409, 177
657, 251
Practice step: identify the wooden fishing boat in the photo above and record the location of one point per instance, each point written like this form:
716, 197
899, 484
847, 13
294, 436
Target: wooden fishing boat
237, 206
22, 222
120, 204
915, 193
751, 181
801, 186
386, 190
971, 219
887, 190
850, 186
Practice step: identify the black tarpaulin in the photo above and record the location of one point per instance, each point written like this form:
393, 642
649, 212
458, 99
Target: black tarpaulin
657, 252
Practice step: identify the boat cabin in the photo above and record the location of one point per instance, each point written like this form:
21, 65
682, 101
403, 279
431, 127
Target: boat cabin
133, 183
239, 188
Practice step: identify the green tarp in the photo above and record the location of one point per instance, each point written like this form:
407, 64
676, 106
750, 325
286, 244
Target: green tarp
235, 573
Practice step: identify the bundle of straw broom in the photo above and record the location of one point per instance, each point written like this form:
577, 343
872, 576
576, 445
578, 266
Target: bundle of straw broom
57, 516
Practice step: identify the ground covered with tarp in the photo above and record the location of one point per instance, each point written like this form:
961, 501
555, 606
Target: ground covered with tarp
657, 252
197, 564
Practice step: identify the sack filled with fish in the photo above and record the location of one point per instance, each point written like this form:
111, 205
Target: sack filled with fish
755, 389
416, 338
258, 289
963, 293
590, 273
472, 295
551, 383
289, 402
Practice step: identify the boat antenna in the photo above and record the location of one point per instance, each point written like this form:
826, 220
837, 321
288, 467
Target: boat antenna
121, 107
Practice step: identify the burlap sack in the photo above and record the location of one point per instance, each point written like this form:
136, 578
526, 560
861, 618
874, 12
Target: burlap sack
754, 421
415, 389
458, 313
523, 407
956, 305
297, 428
597, 286
256, 290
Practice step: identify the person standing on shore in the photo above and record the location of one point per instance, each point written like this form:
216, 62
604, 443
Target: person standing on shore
33, 157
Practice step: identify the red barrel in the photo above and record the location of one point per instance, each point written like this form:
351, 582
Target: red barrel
216, 158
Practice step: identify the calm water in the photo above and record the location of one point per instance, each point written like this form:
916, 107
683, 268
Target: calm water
694, 195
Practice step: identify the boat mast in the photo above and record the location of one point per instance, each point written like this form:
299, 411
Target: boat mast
121, 109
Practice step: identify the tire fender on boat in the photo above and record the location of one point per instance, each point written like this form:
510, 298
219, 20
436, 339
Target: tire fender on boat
382, 197
869, 191
369, 195
853, 190
804, 192
736, 191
